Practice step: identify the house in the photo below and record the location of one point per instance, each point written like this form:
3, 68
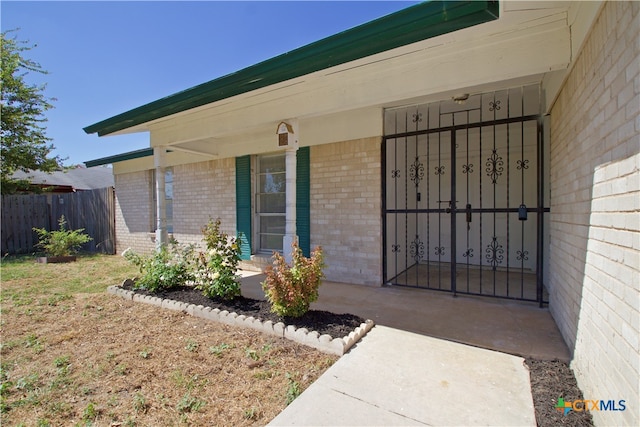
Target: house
487, 148
67, 181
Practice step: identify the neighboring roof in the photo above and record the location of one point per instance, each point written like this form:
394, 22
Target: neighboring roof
410, 25
145, 152
74, 179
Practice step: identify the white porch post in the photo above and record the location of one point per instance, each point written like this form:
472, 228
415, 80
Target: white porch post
290, 216
159, 158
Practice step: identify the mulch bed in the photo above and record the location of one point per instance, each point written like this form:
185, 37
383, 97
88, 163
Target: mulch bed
549, 379
323, 322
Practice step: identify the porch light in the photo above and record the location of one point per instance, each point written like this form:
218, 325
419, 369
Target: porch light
460, 99
286, 137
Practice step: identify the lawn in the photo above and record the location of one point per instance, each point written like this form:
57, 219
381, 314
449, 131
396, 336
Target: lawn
73, 355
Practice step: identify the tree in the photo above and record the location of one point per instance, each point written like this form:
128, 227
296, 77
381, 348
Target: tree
24, 144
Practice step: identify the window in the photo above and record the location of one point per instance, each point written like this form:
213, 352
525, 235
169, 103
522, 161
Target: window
168, 197
270, 202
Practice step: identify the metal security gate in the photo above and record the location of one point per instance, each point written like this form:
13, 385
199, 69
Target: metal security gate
463, 198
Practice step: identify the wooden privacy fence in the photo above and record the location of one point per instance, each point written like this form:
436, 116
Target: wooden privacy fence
93, 210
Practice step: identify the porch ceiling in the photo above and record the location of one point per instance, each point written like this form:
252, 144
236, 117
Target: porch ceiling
517, 49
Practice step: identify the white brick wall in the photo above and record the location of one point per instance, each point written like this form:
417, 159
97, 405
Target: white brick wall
345, 209
345, 206
595, 226
134, 212
201, 191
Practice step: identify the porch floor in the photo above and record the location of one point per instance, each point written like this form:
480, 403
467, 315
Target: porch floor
472, 280
513, 327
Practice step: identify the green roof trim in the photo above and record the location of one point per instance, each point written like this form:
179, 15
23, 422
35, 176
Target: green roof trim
145, 152
410, 25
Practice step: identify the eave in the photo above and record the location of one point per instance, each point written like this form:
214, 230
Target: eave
130, 155
416, 23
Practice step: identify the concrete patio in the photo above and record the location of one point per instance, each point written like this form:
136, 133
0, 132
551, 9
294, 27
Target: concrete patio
513, 327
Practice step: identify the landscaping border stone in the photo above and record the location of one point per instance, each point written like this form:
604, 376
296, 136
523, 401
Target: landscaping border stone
324, 343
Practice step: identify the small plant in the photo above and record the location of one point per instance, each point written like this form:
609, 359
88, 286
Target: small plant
168, 267
61, 242
140, 403
251, 414
121, 369
33, 341
192, 346
293, 389
62, 364
145, 353
90, 412
252, 354
218, 349
27, 383
189, 403
292, 289
216, 269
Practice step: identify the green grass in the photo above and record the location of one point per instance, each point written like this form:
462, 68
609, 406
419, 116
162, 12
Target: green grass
25, 281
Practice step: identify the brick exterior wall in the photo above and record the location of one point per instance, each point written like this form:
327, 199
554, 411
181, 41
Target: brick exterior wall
134, 212
345, 209
594, 223
201, 191
345, 206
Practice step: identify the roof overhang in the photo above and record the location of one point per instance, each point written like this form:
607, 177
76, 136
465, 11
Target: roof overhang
137, 154
414, 24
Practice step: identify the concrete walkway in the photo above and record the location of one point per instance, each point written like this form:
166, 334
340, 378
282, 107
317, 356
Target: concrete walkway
397, 378
431, 359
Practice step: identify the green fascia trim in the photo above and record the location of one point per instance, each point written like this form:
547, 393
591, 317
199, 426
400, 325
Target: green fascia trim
410, 25
145, 152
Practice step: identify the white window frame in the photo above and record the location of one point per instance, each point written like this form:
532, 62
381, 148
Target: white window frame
257, 214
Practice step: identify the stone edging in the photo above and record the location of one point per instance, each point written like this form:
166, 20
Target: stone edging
325, 343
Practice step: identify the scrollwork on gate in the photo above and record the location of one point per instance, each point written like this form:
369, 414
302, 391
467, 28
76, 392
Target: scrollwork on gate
494, 166
416, 172
417, 249
494, 253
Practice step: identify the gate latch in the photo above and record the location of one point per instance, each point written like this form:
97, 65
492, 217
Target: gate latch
452, 205
522, 212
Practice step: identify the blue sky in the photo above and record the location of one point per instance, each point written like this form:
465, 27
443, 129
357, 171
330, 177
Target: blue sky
105, 58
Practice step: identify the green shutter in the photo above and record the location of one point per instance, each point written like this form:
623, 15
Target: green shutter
243, 204
303, 217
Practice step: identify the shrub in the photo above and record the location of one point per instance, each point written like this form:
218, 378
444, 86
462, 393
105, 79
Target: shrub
292, 289
61, 242
216, 269
168, 267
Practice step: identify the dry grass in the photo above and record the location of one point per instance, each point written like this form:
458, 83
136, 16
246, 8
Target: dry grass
73, 355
